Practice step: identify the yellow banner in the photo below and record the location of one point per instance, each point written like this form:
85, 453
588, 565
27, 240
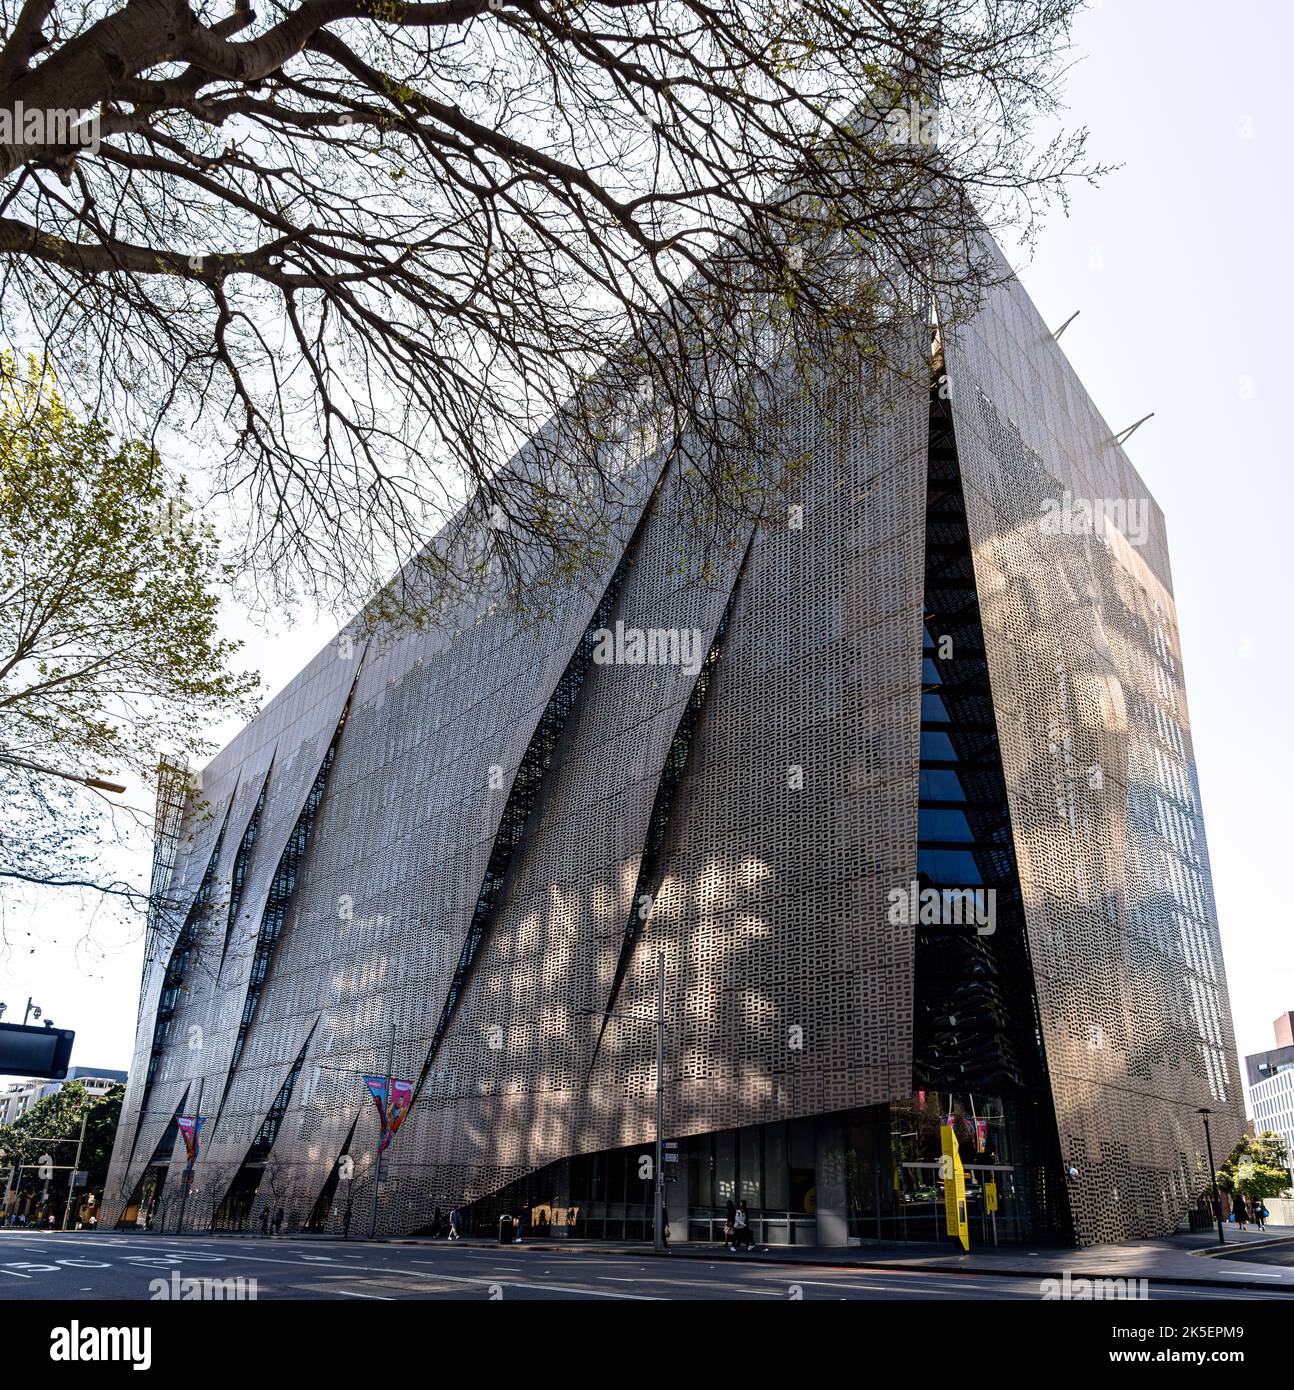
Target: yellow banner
954, 1176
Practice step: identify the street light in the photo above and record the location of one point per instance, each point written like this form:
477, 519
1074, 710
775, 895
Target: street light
1204, 1113
96, 783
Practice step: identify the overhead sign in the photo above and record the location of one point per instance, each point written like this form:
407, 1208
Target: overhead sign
36, 1052
954, 1176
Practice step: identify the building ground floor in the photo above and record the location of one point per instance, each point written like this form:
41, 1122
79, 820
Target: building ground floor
851, 1177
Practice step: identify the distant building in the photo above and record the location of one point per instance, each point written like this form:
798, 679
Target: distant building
1271, 1083
18, 1096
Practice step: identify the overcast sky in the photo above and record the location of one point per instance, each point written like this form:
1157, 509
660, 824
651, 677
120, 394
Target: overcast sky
1179, 266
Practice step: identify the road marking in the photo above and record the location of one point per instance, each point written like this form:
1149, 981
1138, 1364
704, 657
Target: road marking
14, 1272
346, 1293
543, 1288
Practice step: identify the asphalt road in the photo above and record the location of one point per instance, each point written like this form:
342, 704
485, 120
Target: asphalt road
97, 1265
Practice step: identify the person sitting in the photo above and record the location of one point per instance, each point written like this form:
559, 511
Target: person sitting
742, 1235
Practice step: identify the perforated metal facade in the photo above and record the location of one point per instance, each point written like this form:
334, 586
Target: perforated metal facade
438, 848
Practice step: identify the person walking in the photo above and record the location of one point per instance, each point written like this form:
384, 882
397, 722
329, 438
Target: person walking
664, 1225
455, 1224
1240, 1211
1259, 1213
278, 1221
265, 1221
437, 1225
730, 1225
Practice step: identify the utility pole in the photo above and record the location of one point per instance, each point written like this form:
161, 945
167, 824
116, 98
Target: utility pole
660, 1101
381, 1132
76, 1167
1213, 1173
188, 1170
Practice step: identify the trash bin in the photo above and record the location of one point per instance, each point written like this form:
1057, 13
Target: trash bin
505, 1229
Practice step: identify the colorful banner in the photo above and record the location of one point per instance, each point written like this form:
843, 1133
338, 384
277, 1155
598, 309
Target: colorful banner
391, 1109
190, 1127
377, 1089
401, 1099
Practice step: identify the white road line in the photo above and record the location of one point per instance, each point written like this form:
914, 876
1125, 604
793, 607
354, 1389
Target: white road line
14, 1273
381, 1297
543, 1288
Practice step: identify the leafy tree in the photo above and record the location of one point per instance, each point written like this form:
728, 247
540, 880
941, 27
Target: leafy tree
108, 627
52, 1126
1258, 1167
371, 247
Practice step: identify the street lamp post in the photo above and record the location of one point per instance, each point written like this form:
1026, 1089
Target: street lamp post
386, 1103
659, 1223
1204, 1114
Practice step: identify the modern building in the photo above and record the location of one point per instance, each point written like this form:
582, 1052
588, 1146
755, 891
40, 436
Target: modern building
897, 783
1271, 1084
18, 1096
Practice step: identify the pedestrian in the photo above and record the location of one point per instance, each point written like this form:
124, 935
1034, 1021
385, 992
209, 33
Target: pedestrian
741, 1227
1240, 1210
278, 1221
1259, 1213
730, 1224
437, 1222
664, 1225
51, 1221
455, 1224
265, 1221
94, 1221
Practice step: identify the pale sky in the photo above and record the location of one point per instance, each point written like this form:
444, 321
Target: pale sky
1178, 264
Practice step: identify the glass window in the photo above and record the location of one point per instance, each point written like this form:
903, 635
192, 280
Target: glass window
950, 866
943, 824
941, 784
937, 747
932, 709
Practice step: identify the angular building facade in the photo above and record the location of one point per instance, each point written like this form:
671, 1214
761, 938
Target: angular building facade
898, 783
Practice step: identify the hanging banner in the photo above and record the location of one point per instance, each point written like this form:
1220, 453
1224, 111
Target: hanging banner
954, 1176
377, 1089
190, 1127
393, 1108
401, 1099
